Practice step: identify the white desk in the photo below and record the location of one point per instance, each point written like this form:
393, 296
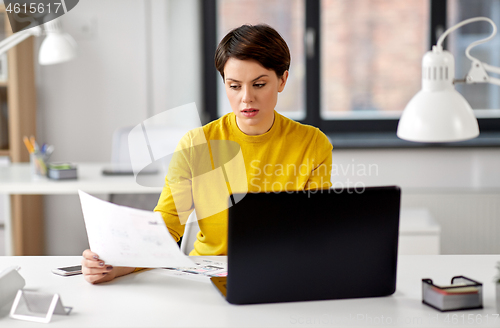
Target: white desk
16, 179
151, 299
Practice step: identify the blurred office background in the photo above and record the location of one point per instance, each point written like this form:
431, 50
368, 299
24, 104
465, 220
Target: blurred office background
138, 58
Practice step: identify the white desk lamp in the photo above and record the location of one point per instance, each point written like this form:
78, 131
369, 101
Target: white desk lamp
438, 113
57, 47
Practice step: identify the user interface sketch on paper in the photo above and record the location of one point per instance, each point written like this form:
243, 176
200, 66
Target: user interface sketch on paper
124, 236
202, 271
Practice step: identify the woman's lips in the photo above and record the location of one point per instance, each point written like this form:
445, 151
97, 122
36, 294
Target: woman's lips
250, 112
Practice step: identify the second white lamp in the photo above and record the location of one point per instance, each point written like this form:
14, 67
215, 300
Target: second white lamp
438, 113
58, 47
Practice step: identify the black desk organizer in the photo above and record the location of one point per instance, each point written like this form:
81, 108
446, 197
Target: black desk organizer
464, 293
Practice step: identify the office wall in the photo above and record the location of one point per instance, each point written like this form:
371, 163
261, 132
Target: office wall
135, 59
459, 186
469, 221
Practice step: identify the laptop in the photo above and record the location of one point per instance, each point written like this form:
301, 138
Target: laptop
304, 246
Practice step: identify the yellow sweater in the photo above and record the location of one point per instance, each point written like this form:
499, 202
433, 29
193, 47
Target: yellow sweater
218, 159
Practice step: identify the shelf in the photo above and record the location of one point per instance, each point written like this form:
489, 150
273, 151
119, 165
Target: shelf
19, 94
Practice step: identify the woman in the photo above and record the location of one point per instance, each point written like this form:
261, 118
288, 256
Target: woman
278, 153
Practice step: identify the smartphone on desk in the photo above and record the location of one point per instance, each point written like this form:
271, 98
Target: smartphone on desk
68, 271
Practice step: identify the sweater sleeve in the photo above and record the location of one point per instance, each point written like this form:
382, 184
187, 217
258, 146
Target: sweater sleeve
321, 174
176, 200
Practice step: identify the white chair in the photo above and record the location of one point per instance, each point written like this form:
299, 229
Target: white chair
119, 149
163, 139
190, 232
120, 157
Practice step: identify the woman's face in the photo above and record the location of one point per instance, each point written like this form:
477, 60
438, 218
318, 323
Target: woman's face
252, 91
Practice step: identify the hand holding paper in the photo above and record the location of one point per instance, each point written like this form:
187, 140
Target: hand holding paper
124, 236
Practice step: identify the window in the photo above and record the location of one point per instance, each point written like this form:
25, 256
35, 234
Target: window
371, 54
287, 17
358, 62
482, 97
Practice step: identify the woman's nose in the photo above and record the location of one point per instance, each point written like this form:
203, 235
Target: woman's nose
247, 95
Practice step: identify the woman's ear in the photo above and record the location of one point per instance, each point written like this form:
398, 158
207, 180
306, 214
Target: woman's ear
282, 81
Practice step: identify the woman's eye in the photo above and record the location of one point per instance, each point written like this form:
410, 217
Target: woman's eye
259, 85
234, 86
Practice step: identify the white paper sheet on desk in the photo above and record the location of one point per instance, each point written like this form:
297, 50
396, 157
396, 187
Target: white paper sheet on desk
124, 236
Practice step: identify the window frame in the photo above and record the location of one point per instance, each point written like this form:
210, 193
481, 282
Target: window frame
336, 127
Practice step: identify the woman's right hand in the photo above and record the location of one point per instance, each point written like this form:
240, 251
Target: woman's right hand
95, 270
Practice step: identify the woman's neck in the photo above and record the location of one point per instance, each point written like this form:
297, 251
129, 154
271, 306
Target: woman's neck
255, 130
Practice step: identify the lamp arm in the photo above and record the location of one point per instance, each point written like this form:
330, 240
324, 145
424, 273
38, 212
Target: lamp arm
492, 69
473, 44
478, 73
494, 80
18, 37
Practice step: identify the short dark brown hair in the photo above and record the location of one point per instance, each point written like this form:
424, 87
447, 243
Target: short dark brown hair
258, 42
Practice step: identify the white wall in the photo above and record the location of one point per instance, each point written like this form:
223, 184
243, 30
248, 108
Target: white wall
81, 102
459, 186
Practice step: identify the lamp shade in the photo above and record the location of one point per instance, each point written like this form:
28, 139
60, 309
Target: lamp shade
57, 48
442, 116
438, 113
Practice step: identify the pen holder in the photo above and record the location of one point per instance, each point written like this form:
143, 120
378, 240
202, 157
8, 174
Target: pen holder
37, 165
